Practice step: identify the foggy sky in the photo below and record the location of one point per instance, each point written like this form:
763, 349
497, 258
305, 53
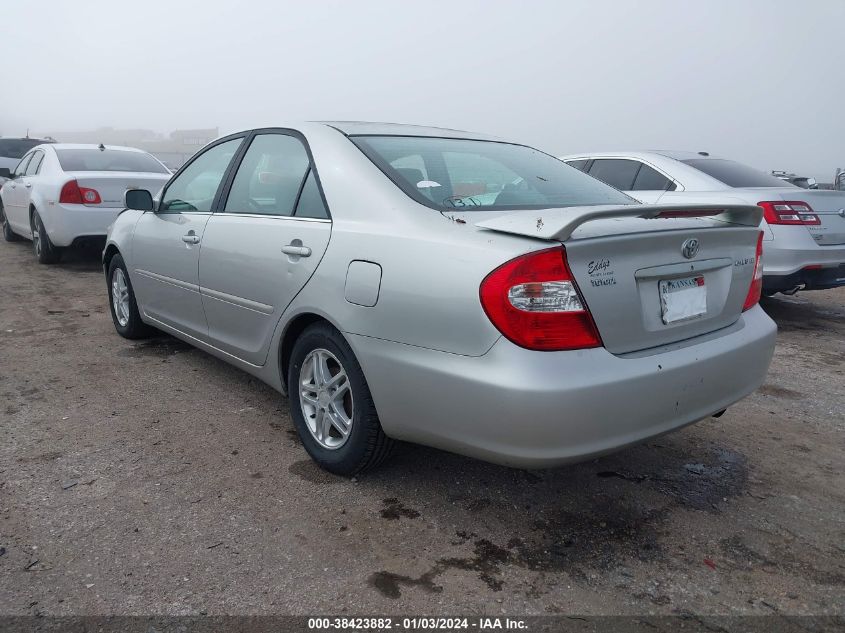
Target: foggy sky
760, 81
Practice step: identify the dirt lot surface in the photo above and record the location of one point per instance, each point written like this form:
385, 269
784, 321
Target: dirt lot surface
149, 477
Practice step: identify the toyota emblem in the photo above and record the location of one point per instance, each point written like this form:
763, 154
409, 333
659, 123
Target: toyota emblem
841, 213
689, 248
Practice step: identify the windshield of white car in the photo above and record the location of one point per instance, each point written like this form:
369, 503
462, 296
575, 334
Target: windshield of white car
108, 160
735, 174
450, 174
17, 147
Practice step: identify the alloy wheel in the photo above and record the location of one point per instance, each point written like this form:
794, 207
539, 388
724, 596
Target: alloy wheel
36, 234
325, 396
120, 297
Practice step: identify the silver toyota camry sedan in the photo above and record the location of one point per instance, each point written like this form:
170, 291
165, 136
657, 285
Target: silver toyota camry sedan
445, 288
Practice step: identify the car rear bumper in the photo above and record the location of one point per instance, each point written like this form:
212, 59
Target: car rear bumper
68, 222
819, 277
539, 409
794, 249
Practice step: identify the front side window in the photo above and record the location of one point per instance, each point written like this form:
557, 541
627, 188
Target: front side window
108, 160
195, 188
270, 176
35, 163
735, 174
580, 164
472, 175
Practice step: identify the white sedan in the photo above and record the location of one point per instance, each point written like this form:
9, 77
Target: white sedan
62, 194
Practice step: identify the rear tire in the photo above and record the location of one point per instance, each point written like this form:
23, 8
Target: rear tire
328, 390
41, 244
122, 305
8, 234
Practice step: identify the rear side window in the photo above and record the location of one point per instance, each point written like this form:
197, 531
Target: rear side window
311, 203
35, 163
476, 175
649, 179
735, 174
616, 172
108, 160
270, 176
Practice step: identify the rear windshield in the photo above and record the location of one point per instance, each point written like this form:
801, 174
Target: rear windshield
17, 147
735, 174
469, 175
108, 160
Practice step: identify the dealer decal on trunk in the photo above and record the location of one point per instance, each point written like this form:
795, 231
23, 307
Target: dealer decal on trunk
601, 274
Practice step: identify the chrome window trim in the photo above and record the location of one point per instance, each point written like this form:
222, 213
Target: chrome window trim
271, 215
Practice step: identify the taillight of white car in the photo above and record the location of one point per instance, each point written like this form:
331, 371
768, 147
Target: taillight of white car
534, 302
756, 288
72, 193
783, 212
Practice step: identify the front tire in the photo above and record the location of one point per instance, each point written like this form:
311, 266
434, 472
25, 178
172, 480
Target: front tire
8, 234
331, 404
122, 304
41, 244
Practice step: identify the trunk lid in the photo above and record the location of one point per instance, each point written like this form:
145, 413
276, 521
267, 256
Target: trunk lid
830, 207
622, 258
111, 185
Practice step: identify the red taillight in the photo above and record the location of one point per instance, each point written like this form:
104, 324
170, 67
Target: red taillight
789, 213
533, 300
756, 288
72, 193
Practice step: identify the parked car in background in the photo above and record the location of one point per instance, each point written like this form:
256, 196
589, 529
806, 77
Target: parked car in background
62, 194
13, 149
805, 182
804, 229
445, 288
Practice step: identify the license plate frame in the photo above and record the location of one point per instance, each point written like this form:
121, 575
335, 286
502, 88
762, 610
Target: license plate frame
683, 299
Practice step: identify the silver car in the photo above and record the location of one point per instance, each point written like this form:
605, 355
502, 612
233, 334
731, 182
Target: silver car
804, 229
445, 288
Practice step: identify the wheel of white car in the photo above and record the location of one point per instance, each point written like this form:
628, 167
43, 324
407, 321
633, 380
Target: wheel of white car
331, 404
8, 234
124, 309
41, 244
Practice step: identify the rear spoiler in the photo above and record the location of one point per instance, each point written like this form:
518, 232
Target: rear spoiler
559, 224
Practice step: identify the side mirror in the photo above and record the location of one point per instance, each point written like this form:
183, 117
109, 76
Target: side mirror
5, 172
138, 200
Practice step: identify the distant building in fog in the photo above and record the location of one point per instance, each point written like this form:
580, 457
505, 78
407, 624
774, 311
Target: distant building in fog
173, 150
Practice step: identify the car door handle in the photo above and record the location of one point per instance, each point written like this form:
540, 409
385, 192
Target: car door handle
28, 185
300, 251
191, 239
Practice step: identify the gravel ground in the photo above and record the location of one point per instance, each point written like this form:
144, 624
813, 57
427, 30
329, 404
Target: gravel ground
151, 478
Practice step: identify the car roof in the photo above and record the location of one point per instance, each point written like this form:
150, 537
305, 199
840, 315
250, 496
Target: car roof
352, 128
642, 154
26, 138
95, 146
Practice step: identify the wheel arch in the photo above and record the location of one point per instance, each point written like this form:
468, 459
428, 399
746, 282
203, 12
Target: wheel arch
108, 254
292, 331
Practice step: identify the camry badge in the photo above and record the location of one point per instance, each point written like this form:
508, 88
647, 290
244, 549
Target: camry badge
689, 248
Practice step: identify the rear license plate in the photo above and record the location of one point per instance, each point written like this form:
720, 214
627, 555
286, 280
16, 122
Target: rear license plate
682, 299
